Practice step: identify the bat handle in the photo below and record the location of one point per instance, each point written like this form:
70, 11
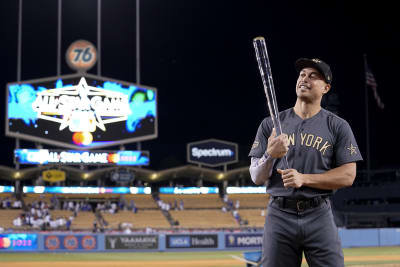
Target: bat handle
285, 163
278, 129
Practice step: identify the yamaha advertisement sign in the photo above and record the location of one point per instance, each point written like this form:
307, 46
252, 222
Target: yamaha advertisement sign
131, 242
212, 152
250, 240
192, 241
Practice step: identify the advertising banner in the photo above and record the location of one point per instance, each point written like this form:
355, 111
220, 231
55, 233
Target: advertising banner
74, 157
192, 241
243, 240
81, 111
70, 242
131, 242
7, 189
14, 242
212, 152
188, 190
86, 190
53, 176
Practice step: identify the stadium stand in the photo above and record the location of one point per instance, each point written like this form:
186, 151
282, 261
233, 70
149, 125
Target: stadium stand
204, 211
254, 217
83, 220
204, 218
194, 201
248, 209
140, 220
250, 200
7, 217
9, 201
141, 201
31, 198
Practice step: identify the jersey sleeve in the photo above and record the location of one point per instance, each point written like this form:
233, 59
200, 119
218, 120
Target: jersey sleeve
346, 148
260, 142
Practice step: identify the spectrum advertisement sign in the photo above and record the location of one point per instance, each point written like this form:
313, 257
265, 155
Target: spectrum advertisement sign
14, 242
212, 152
71, 157
81, 112
243, 240
192, 241
70, 242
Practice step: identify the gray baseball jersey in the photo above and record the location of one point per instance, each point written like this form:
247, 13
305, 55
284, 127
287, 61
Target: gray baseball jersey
316, 145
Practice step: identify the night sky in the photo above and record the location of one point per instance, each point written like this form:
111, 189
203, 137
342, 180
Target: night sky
200, 57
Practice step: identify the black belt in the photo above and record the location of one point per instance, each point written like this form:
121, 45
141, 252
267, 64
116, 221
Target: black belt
299, 205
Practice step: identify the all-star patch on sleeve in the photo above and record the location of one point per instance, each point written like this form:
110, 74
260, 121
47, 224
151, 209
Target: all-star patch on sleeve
261, 141
346, 148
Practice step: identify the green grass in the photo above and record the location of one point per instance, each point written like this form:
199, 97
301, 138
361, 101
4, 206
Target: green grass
159, 256
137, 256
371, 251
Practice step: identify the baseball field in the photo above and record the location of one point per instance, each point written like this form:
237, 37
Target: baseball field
381, 256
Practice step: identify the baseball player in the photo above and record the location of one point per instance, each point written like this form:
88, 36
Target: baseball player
322, 153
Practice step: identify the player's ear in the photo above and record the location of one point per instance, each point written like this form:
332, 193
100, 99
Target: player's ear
327, 87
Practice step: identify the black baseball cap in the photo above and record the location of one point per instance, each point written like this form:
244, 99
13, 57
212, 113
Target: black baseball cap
315, 63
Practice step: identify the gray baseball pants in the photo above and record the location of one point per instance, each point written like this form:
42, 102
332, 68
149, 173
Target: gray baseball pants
287, 234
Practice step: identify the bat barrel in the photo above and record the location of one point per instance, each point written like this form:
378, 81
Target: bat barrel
266, 76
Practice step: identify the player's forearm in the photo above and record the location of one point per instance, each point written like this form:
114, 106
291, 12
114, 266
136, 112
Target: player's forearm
261, 169
342, 176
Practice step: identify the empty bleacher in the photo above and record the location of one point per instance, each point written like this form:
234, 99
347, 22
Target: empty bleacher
250, 200
140, 220
4, 195
195, 201
7, 217
30, 198
253, 216
141, 201
83, 220
251, 207
204, 218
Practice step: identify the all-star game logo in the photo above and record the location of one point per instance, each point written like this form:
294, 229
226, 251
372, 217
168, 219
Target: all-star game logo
81, 111
82, 108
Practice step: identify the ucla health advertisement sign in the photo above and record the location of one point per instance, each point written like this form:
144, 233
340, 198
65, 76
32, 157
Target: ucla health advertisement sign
192, 241
12, 242
81, 111
212, 152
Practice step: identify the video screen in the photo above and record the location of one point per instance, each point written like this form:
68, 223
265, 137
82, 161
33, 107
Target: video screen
70, 157
81, 112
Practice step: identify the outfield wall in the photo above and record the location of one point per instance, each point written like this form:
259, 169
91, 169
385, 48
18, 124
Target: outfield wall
88, 242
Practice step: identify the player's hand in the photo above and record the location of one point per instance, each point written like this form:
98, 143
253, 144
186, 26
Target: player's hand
278, 146
292, 178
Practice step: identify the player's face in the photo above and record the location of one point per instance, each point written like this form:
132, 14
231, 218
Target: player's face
311, 85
